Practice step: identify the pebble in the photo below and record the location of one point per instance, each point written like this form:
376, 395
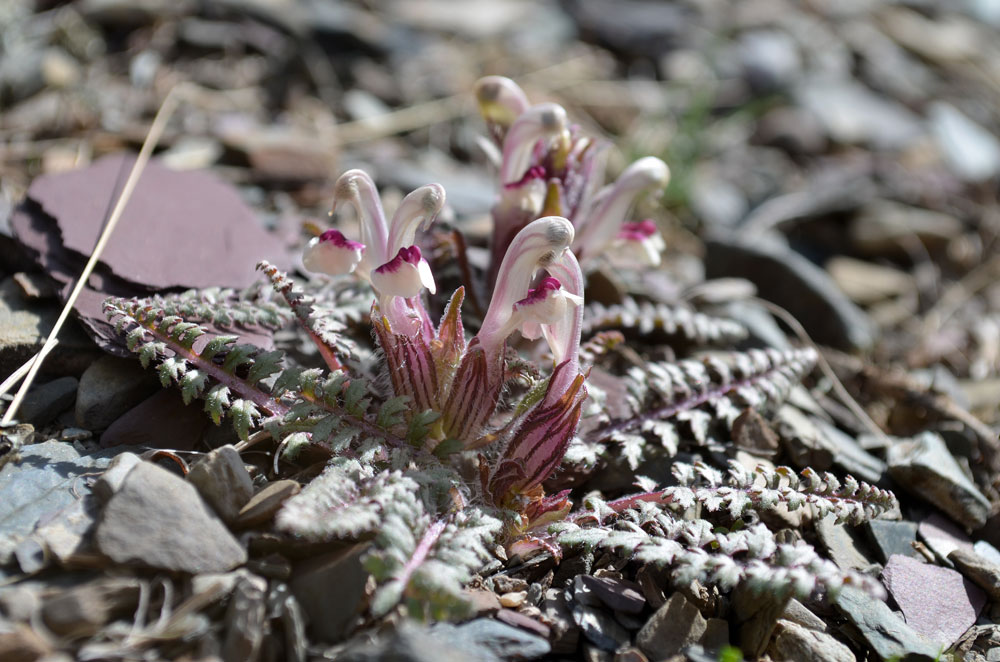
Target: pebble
770, 59
675, 625
316, 580
971, 151
513, 600
109, 387
44, 403
223, 482
886, 227
178, 427
157, 520
263, 505
937, 602
83, 610
885, 632
923, 465
890, 538
840, 545
113, 477
525, 622
983, 572
565, 634
618, 594
244, 620
942, 535
794, 642
796, 284
600, 628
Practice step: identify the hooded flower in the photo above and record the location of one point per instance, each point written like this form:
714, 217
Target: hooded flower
548, 167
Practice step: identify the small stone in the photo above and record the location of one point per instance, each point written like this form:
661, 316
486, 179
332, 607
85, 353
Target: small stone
884, 226
178, 426
651, 585
755, 616
556, 613
262, 507
504, 641
675, 625
525, 622
630, 655
840, 544
114, 476
971, 151
331, 590
770, 59
849, 455
795, 643
513, 600
483, 602
866, 282
223, 482
983, 572
885, 632
109, 387
892, 537
716, 635
158, 520
796, 612
924, 466
59, 68
753, 434
987, 551
44, 403
600, 628
508, 584
83, 610
937, 602
244, 620
942, 536
618, 594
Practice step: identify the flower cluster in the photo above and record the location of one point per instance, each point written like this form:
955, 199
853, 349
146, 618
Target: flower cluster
549, 167
434, 365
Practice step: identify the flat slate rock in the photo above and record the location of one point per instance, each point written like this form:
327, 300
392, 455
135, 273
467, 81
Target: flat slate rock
890, 538
885, 632
45, 482
937, 602
158, 520
924, 466
618, 594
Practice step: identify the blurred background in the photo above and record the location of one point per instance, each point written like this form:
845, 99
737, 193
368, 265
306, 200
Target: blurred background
851, 142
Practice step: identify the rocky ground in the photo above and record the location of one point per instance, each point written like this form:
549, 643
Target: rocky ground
840, 157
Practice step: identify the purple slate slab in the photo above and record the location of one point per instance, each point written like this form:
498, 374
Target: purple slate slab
942, 535
938, 603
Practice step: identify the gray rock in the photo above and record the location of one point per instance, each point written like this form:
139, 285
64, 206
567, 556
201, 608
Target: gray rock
504, 641
45, 481
924, 466
755, 616
716, 636
971, 151
109, 388
942, 535
413, 643
770, 59
796, 612
884, 226
157, 520
796, 284
799, 644
331, 591
802, 439
841, 545
223, 482
885, 632
263, 505
618, 594
892, 538
851, 113
565, 634
674, 626
245, 620
600, 628
849, 455
987, 551
982, 571
43, 403
114, 476
937, 602
717, 202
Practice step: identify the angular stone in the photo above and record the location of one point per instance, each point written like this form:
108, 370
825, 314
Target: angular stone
796, 612
331, 591
886, 227
937, 602
755, 616
178, 426
43, 403
716, 636
841, 545
793, 642
524, 622
223, 482
113, 477
502, 640
924, 466
565, 634
617, 594
263, 505
158, 520
983, 572
885, 632
109, 387
675, 625
942, 535
891, 537
600, 628
245, 620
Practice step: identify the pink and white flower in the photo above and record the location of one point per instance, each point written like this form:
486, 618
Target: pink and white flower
332, 253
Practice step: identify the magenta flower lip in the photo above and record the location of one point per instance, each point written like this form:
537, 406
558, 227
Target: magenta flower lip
638, 231
549, 284
337, 238
407, 254
534, 172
